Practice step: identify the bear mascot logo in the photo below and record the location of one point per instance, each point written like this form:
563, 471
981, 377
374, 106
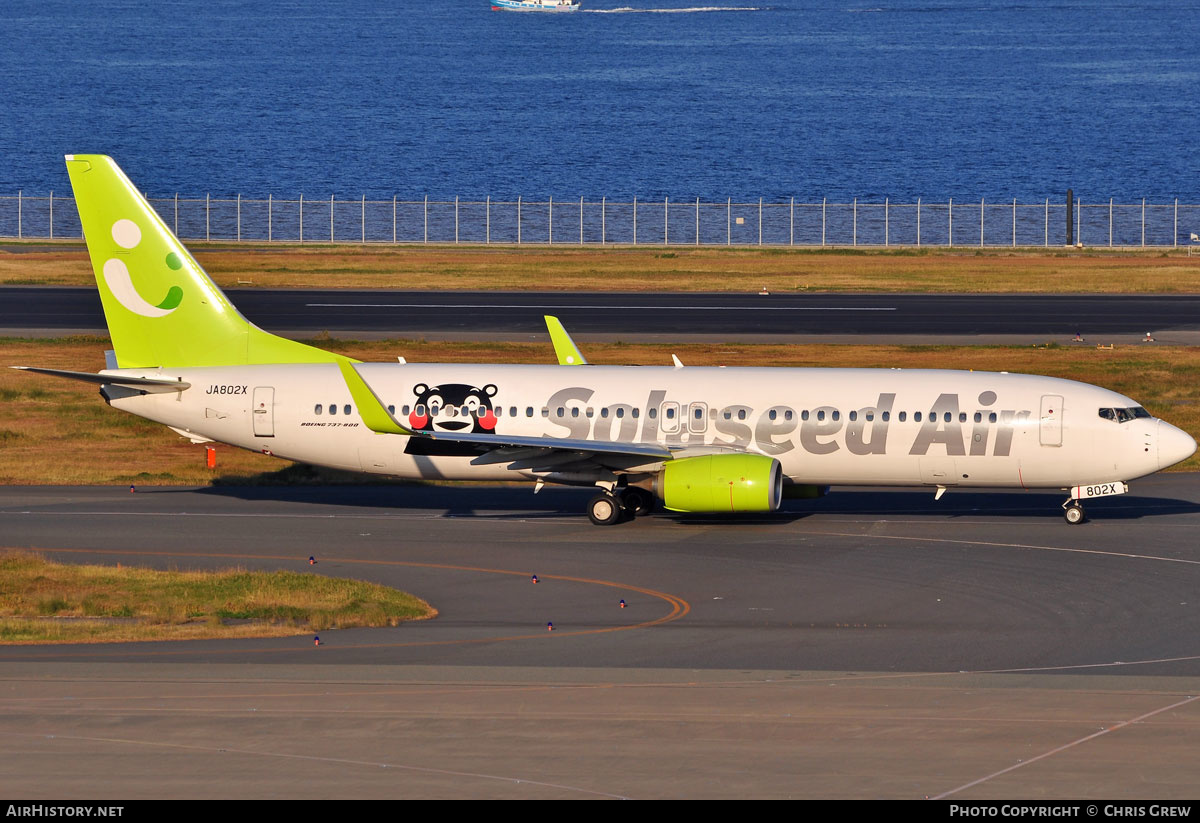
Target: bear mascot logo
451, 408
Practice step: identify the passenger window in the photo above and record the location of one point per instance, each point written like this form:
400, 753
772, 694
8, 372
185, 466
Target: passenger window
886, 416
545, 411
946, 417
820, 414
962, 417
529, 411
620, 411
560, 411
870, 416
741, 414
853, 416
635, 412
317, 409
727, 414
604, 412
916, 417
804, 415
652, 413
591, 412
670, 412
420, 410
837, 415
992, 417
772, 414
574, 411
978, 417
787, 415
333, 408
346, 409
433, 409
404, 410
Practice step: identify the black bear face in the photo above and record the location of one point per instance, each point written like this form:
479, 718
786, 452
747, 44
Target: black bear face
453, 407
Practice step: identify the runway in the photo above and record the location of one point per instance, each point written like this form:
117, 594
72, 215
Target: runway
902, 318
869, 644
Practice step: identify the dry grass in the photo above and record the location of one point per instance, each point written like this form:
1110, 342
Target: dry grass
45, 602
60, 432
649, 269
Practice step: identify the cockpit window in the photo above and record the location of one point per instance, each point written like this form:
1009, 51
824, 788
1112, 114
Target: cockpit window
1124, 415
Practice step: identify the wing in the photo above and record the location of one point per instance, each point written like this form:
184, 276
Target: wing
521, 453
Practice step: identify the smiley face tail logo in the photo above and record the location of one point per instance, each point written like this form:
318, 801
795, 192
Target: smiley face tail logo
127, 235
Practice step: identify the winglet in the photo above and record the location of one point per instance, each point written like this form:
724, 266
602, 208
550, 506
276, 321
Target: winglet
678, 363
568, 353
370, 407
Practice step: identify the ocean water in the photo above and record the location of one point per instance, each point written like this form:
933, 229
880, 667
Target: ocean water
653, 99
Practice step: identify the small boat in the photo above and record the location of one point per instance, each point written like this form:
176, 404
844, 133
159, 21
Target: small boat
535, 5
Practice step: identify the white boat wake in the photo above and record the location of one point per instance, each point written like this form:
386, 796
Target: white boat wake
628, 10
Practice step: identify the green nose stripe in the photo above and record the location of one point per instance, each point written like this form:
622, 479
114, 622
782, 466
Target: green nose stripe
172, 300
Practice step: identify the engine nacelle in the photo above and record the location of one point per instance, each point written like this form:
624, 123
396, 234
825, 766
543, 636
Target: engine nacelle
722, 483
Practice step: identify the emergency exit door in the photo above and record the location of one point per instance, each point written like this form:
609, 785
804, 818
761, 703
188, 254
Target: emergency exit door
264, 411
1051, 420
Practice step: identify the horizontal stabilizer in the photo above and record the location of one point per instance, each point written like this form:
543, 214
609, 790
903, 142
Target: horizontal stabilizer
151, 385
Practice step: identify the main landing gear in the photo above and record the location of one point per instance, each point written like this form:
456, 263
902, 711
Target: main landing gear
607, 508
1073, 512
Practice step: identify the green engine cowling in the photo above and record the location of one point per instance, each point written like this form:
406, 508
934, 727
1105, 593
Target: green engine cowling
722, 483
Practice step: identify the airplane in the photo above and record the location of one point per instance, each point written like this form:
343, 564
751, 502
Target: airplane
698, 439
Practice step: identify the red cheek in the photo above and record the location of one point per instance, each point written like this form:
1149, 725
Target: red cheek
488, 421
417, 421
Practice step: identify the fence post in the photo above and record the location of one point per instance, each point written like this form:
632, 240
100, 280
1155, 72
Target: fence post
855, 240
1079, 221
760, 221
887, 207
393, 219
792, 222
1110, 205
19, 227
331, 218
456, 219
427, 219
950, 237
822, 222
581, 219
918, 222
603, 219
980, 222
1046, 241
697, 221
364, 219
301, 217
207, 214
1014, 223
1175, 234
550, 221
488, 221
176, 214
1143, 222
52, 214
666, 211
239, 217
729, 221
269, 226
518, 219
635, 220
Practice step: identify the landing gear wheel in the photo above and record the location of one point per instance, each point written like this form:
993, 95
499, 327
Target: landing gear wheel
637, 501
604, 510
1074, 513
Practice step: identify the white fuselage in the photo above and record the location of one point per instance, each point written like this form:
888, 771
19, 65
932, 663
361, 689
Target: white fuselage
825, 426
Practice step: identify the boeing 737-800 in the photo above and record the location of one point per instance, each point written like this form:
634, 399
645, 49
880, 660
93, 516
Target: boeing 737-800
699, 439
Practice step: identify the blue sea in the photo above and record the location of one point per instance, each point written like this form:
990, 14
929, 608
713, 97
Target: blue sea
647, 98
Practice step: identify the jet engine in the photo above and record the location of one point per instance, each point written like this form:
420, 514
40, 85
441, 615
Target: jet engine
721, 483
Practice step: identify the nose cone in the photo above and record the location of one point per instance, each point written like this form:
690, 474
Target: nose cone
1174, 445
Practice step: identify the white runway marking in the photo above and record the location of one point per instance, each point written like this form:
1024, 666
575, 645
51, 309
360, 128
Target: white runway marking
1066, 746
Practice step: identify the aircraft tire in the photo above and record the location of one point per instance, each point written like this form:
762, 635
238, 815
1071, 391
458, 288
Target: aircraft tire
638, 502
604, 510
1074, 514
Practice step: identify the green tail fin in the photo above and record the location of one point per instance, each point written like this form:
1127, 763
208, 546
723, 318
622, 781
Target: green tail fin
162, 309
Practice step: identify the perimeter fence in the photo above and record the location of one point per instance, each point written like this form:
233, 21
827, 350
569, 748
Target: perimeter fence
637, 222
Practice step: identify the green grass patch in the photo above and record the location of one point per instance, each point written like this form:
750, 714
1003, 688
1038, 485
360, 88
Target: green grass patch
46, 602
